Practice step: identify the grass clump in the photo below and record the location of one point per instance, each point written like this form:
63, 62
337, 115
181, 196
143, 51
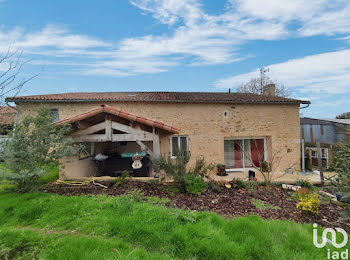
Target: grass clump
259, 204
293, 196
241, 184
305, 184
214, 187
123, 178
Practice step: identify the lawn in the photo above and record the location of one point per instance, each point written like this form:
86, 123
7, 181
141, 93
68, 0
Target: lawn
49, 226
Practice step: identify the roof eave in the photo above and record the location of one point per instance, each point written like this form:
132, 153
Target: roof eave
296, 102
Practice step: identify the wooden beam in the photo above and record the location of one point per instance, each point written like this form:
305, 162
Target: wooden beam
98, 138
127, 129
144, 147
82, 125
90, 138
156, 153
109, 131
90, 130
131, 137
156, 145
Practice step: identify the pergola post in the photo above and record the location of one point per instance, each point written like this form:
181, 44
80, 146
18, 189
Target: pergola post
156, 152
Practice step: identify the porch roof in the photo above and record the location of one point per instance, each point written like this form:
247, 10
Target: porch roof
119, 113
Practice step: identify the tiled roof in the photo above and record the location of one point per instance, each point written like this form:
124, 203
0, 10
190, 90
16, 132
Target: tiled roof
338, 121
7, 115
323, 121
7, 110
119, 113
183, 97
313, 121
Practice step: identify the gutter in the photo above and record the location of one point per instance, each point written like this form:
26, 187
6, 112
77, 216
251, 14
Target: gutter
307, 105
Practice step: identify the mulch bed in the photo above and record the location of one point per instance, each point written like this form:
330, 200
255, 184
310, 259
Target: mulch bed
228, 202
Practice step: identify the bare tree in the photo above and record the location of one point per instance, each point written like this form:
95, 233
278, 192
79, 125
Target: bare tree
345, 115
11, 84
11, 65
256, 85
268, 166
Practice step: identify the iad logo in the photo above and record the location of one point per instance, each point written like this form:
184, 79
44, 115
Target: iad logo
332, 241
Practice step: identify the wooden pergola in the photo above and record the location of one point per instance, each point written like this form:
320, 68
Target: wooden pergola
108, 124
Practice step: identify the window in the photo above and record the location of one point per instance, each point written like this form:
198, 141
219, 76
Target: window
178, 144
324, 153
55, 115
244, 153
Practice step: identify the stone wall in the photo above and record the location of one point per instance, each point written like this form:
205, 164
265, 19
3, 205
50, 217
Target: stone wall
207, 125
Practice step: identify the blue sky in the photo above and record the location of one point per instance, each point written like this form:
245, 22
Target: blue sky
183, 45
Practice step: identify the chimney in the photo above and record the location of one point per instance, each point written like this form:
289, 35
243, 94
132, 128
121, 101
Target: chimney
229, 90
269, 90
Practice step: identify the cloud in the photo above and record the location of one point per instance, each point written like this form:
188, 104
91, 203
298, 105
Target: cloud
282, 10
199, 38
322, 74
317, 17
193, 38
49, 37
203, 39
328, 23
171, 11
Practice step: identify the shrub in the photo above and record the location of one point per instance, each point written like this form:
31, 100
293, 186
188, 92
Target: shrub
124, 178
248, 185
214, 187
35, 143
342, 166
305, 184
241, 184
308, 202
187, 181
277, 184
342, 183
252, 184
194, 184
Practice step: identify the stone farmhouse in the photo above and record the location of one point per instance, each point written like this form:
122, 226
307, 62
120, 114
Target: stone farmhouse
238, 130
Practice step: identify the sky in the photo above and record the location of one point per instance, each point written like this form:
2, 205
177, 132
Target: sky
183, 45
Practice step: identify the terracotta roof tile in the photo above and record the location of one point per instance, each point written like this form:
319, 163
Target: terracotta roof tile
119, 113
183, 97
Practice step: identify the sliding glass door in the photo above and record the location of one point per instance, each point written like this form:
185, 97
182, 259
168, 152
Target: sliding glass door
244, 153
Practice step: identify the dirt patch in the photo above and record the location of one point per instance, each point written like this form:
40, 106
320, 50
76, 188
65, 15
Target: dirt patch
228, 202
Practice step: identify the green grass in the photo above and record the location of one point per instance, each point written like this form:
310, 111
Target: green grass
48, 226
50, 175
263, 205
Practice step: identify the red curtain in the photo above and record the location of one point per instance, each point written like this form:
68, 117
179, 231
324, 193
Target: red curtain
238, 157
257, 151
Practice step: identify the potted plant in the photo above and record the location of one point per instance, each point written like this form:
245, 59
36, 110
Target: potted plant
221, 169
265, 166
